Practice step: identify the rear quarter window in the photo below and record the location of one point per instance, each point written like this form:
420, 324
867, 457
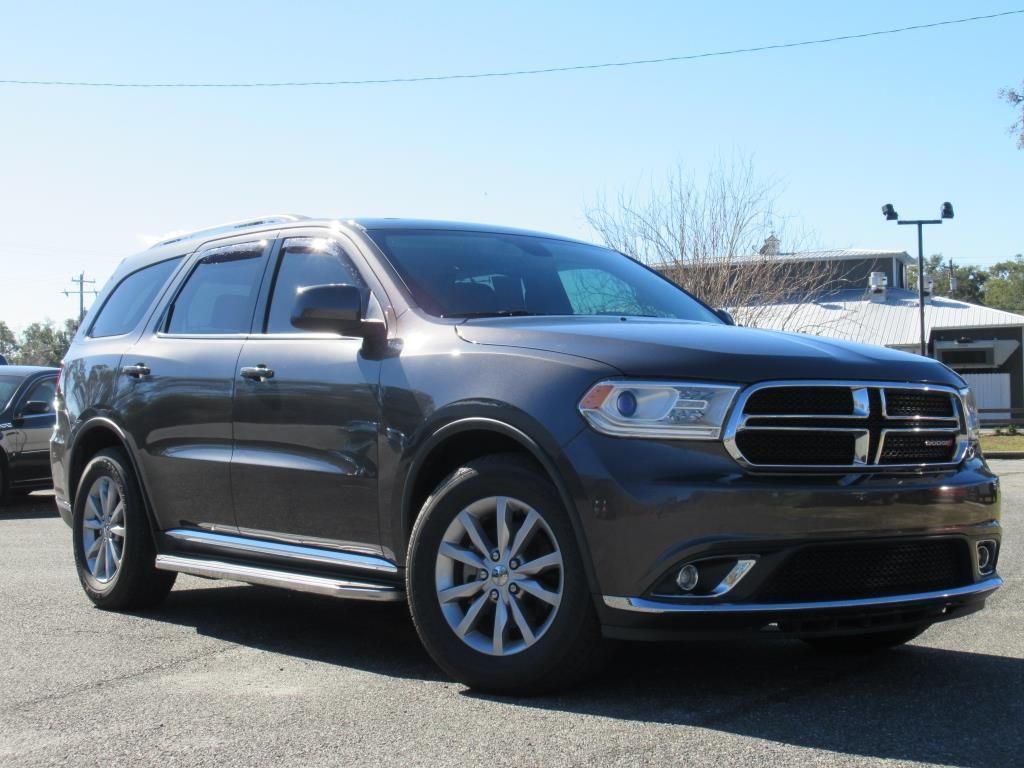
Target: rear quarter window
130, 300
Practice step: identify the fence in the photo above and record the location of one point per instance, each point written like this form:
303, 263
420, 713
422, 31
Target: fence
1005, 416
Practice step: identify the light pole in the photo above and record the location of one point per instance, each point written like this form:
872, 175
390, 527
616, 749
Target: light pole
890, 215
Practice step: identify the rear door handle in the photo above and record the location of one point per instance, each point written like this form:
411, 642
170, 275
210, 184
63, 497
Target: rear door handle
257, 372
136, 371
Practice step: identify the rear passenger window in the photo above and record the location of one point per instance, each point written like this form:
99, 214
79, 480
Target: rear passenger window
307, 261
131, 298
220, 294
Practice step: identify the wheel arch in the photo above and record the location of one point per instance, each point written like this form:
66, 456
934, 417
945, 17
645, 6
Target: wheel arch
92, 437
451, 445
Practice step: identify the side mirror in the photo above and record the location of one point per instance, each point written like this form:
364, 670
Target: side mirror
331, 308
35, 407
725, 317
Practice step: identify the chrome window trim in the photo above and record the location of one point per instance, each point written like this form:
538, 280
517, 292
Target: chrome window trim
646, 605
737, 420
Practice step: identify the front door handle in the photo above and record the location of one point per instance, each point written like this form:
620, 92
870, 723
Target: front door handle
136, 371
257, 372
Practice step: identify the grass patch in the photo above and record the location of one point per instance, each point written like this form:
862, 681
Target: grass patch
1002, 443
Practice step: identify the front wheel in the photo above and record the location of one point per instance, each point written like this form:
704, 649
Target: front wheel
865, 643
496, 583
114, 551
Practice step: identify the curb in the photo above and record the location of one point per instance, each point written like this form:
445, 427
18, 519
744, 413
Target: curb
1004, 454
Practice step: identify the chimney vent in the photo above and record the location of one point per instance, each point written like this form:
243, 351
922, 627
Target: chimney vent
771, 246
929, 288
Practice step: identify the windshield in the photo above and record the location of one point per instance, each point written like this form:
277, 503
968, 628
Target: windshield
485, 274
8, 386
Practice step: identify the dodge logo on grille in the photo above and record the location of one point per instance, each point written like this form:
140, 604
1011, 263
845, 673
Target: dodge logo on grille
938, 443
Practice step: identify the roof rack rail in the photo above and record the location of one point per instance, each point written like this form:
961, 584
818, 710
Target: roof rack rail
277, 218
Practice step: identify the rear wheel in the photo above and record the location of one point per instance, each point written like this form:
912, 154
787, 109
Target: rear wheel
866, 643
114, 551
496, 582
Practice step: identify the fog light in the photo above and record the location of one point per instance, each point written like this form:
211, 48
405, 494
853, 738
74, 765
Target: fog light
687, 578
986, 557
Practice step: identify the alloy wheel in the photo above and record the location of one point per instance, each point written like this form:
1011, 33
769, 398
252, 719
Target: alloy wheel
103, 530
499, 575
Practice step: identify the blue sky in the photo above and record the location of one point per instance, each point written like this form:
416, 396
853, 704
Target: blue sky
86, 175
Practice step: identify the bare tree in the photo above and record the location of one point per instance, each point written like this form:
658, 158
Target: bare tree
718, 237
1015, 99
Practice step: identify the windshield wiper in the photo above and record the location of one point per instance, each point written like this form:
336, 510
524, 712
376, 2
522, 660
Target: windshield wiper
495, 313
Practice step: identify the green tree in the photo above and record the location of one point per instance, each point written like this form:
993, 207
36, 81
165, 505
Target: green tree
8, 342
1005, 286
971, 279
45, 343
1016, 100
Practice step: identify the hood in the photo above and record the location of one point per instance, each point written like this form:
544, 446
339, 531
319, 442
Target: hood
656, 348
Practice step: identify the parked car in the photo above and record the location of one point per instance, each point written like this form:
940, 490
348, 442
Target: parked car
538, 443
26, 423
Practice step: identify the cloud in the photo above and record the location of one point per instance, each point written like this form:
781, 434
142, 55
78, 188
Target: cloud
151, 240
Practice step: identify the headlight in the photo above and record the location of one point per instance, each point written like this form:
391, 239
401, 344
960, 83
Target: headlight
971, 414
671, 410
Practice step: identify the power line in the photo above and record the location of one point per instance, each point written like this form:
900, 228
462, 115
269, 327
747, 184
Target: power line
518, 72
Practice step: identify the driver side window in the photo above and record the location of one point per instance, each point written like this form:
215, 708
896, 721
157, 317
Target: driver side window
43, 392
307, 261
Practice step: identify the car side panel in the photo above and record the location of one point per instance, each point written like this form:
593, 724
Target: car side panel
179, 419
87, 390
305, 451
437, 380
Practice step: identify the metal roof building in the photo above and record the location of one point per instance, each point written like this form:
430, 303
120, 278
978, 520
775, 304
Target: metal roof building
891, 320
872, 303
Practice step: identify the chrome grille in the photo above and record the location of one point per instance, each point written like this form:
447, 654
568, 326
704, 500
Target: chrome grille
827, 425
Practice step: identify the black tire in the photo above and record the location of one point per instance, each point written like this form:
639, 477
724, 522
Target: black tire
569, 651
137, 583
869, 642
3, 481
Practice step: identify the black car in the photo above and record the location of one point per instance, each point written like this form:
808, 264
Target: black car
26, 422
538, 443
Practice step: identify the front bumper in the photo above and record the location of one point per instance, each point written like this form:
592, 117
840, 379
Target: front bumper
648, 507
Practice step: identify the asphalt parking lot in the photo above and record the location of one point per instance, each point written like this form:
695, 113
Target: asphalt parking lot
225, 674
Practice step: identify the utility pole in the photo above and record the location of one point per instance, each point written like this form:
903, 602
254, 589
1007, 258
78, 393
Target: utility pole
82, 282
953, 282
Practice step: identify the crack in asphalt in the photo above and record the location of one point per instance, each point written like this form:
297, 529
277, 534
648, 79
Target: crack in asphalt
118, 679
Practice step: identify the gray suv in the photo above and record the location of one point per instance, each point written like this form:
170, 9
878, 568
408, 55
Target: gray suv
538, 443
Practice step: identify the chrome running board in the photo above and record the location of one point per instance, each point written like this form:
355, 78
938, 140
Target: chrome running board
300, 582
301, 555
